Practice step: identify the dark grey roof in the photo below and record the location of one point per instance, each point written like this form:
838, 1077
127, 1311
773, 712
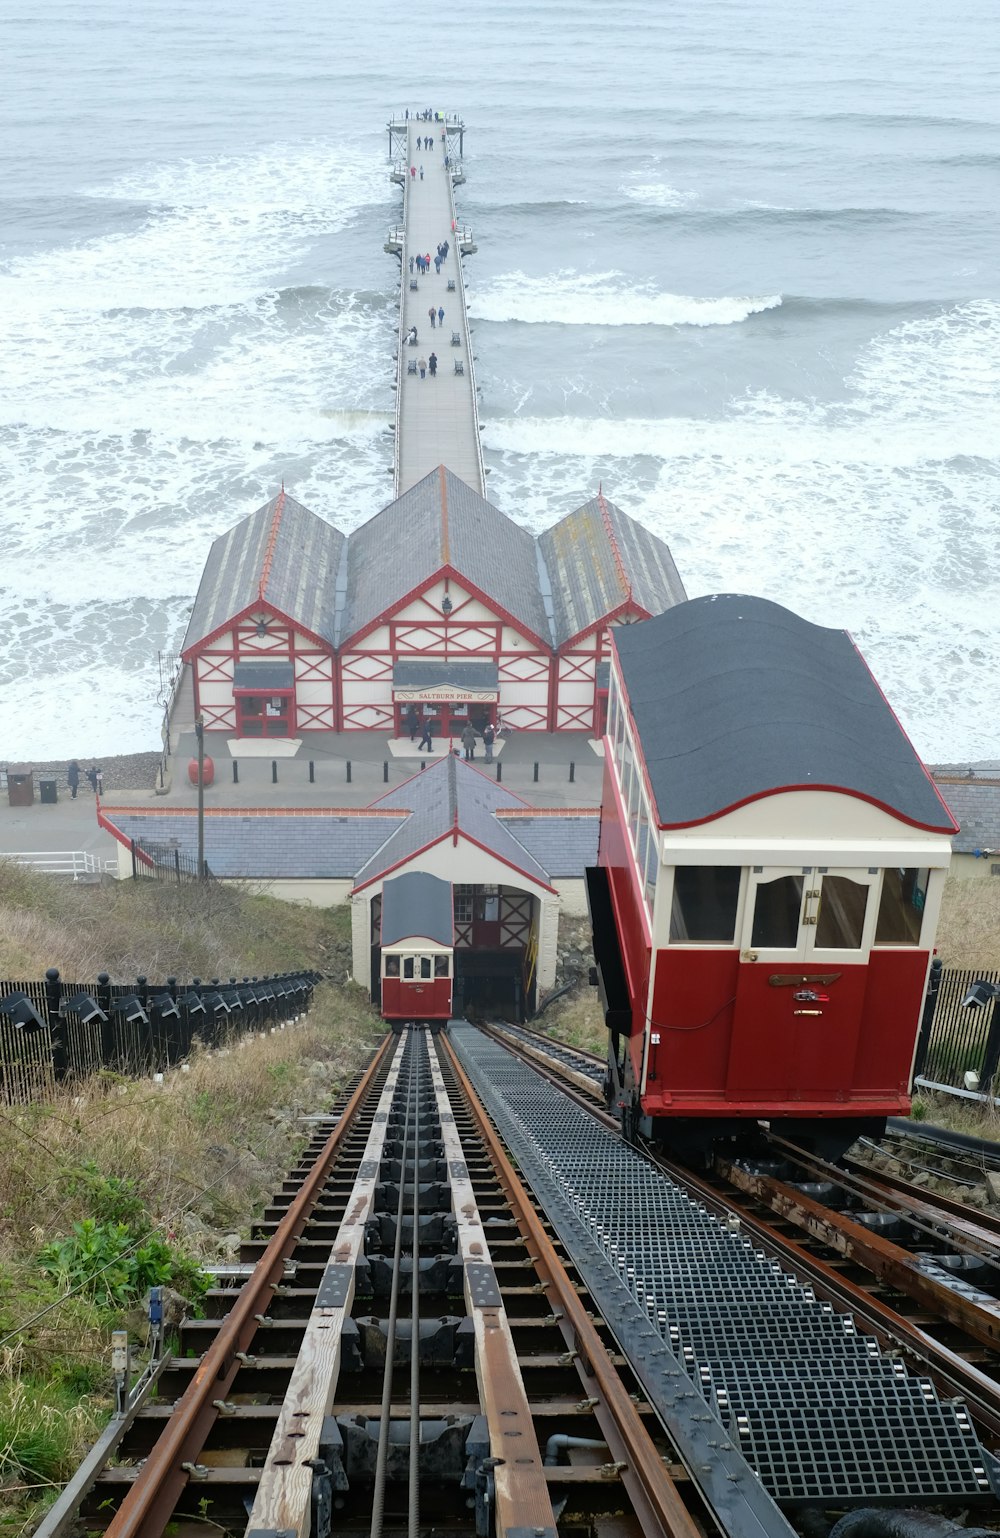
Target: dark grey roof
451, 793
283, 555
321, 848
441, 522
417, 903
263, 675
443, 670
975, 806
598, 558
564, 846
735, 696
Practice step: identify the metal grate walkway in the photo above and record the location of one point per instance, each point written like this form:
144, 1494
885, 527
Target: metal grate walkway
814, 1408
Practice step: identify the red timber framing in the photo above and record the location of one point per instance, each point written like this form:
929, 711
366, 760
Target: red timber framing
577, 662
261, 633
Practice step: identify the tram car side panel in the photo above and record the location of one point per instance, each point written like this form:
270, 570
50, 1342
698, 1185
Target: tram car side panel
632, 936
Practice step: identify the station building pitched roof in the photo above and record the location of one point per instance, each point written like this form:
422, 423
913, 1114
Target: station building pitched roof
281, 555
441, 522
974, 802
450, 796
599, 560
735, 697
417, 904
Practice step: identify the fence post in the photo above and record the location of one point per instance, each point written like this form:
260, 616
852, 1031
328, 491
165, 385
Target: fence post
991, 1061
927, 1018
57, 1025
135, 863
171, 1028
177, 865
109, 1042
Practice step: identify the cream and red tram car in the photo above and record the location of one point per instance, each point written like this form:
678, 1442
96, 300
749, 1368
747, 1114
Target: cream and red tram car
772, 857
417, 949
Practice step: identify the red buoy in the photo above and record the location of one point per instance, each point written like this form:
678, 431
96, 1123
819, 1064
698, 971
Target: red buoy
208, 774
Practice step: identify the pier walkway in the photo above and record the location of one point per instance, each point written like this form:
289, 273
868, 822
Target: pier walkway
437, 421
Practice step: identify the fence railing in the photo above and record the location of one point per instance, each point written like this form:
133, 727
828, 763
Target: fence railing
164, 862
64, 862
955, 1039
52, 1031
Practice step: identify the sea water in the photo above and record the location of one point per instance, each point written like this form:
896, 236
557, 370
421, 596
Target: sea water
738, 264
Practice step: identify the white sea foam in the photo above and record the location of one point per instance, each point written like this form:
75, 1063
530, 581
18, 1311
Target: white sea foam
658, 194
878, 514
571, 298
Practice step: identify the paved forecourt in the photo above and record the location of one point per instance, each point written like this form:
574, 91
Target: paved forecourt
437, 422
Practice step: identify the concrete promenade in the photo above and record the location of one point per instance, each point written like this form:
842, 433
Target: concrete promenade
437, 422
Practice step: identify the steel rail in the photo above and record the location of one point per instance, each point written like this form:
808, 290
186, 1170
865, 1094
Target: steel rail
655, 1497
150, 1502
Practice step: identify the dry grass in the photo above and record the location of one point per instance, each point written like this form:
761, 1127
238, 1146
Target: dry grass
969, 932
577, 1019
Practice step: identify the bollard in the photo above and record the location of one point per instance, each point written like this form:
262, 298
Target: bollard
312, 772
499, 771
572, 771
385, 771
535, 775
57, 1025
274, 771
423, 765
348, 771
236, 772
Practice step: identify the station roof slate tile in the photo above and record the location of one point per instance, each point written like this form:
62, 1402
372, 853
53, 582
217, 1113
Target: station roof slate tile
975, 805
599, 558
262, 847
451, 794
417, 903
441, 522
564, 846
734, 697
283, 555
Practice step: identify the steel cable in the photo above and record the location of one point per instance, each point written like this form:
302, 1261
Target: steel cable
382, 1456
414, 1499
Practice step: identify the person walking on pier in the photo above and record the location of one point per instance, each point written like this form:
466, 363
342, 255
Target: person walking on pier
413, 172
432, 364
412, 722
411, 263
421, 173
441, 315
489, 737
422, 366
73, 778
433, 315
426, 740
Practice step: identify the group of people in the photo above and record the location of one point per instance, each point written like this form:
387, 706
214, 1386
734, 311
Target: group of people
93, 776
437, 316
469, 735
431, 363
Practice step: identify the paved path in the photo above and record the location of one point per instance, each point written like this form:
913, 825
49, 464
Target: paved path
437, 422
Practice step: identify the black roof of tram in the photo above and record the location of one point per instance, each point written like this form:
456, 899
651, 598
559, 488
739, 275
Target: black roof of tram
417, 904
734, 696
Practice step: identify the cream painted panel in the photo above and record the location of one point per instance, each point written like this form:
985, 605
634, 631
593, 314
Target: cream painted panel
574, 664
215, 692
465, 862
377, 691
512, 640
520, 693
314, 691
376, 641
576, 693
801, 813
572, 897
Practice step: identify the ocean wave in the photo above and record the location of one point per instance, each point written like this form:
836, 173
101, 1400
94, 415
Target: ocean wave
569, 298
658, 194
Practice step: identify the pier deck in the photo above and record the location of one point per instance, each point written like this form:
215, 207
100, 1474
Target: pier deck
437, 421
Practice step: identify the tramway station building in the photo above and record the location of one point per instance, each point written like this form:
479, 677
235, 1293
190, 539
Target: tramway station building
440, 608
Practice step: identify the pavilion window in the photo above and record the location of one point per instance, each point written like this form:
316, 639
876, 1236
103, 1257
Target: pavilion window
776, 913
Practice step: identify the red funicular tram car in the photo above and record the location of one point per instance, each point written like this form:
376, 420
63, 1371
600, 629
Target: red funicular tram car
772, 857
417, 948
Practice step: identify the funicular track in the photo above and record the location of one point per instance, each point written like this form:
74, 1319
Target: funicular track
364, 1382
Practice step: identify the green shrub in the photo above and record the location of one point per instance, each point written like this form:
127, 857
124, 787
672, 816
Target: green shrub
105, 1262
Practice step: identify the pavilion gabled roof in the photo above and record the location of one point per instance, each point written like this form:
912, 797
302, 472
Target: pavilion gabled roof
441, 522
282, 555
450, 795
599, 559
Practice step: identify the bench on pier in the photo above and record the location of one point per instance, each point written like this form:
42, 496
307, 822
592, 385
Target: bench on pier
451, 285
456, 339
413, 285
459, 366
411, 366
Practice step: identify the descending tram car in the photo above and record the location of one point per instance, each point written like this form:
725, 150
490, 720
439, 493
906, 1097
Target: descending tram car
416, 962
772, 856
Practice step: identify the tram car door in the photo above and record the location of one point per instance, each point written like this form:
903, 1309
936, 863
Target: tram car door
417, 949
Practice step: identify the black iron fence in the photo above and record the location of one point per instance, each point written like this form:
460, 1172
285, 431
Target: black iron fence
958, 1036
164, 862
52, 1031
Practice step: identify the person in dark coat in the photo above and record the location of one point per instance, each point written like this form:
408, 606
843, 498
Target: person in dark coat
432, 363
469, 741
73, 778
92, 777
426, 740
412, 722
489, 737
441, 315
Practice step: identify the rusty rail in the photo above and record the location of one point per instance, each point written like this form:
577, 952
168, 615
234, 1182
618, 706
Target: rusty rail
150, 1502
654, 1495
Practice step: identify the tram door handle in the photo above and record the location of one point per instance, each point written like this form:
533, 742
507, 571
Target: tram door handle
807, 1011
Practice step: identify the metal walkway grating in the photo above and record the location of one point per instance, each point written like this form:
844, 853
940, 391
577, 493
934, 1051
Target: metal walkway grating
815, 1409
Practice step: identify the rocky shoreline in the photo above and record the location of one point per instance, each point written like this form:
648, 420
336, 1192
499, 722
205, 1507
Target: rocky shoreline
119, 771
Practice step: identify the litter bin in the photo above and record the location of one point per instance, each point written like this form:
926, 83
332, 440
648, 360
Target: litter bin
21, 789
47, 793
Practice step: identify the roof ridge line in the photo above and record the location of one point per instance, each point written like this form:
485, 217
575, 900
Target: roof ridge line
272, 539
615, 551
445, 541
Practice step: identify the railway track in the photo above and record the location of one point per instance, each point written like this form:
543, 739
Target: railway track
410, 1351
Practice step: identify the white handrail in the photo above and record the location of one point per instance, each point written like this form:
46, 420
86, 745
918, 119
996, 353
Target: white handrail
63, 862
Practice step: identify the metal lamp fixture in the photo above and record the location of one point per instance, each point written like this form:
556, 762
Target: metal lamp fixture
446, 605
980, 994
21, 1012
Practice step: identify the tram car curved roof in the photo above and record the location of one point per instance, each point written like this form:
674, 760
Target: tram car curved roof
735, 698
417, 904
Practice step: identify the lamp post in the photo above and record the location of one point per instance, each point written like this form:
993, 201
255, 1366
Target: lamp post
199, 730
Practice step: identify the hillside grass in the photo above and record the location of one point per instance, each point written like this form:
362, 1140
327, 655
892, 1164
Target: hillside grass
188, 1162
